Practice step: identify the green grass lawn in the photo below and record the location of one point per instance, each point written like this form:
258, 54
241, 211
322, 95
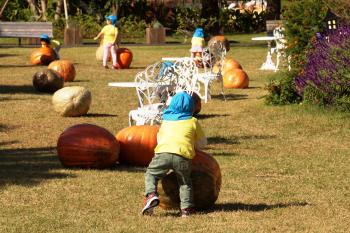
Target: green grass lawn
284, 169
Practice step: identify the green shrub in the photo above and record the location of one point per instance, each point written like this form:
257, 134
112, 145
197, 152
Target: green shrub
132, 27
303, 19
281, 88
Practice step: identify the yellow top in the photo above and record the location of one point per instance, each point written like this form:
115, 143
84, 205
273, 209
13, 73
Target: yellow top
197, 41
110, 33
179, 137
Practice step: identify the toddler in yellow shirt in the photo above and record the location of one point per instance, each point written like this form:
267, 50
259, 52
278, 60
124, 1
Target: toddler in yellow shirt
110, 35
177, 138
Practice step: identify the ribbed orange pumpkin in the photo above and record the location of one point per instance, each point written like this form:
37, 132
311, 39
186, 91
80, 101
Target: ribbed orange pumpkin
229, 64
65, 68
87, 146
137, 144
222, 39
124, 58
42, 56
235, 78
206, 181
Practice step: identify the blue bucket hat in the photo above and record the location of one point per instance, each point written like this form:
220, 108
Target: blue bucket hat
44, 37
199, 32
180, 108
112, 18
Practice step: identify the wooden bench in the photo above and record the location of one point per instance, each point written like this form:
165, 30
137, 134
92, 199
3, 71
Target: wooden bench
25, 29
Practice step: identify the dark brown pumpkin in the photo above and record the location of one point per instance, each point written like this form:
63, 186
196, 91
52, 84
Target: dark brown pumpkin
137, 144
197, 103
47, 81
65, 68
87, 146
42, 56
206, 181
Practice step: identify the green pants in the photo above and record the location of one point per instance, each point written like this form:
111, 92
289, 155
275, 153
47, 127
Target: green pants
159, 167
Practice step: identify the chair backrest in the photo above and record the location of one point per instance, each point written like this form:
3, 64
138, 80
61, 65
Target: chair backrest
214, 55
155, 83
186, 70
280, 40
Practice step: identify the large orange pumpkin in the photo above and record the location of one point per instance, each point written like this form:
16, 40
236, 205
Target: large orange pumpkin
124, 58
87, 146
65, 68
229, 64
222, 39
42, 56
235, 78
137, 144
206, 181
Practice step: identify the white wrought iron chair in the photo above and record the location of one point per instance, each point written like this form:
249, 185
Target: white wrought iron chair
212, 58
280, 49
154, 85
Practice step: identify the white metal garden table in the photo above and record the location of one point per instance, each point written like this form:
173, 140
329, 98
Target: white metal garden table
268, 64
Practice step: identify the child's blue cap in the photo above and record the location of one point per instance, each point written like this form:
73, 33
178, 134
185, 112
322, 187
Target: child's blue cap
180, 108
166, 66
199, 32
112, 18
44, 37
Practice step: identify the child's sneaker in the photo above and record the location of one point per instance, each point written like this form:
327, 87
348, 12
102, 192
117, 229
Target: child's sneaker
151, 201
187, 212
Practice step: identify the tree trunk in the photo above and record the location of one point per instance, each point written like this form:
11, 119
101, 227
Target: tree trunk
33, 8
273, 10
210, 9
58, 11
44, 9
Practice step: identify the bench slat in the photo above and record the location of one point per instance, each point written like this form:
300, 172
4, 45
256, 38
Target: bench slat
25, 29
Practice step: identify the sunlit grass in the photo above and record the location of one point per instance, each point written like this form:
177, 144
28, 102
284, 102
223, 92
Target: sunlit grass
284, 169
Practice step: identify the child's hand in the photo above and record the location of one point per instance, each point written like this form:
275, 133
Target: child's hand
95, 38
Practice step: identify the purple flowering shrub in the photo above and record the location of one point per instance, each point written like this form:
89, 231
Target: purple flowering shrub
325, 80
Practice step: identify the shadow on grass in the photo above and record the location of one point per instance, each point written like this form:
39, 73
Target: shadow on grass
99, 115
29, 166
80, 81
224, 154
8, 89
9, 65
230, 97
206, 116
8, 55
9, 142
221, 140
230, 207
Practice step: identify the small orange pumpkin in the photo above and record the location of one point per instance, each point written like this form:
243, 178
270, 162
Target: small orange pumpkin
235, 78
137, 144
124, 58
222, 39
229, 64
87, 146
65, 68
42, 56
206, 180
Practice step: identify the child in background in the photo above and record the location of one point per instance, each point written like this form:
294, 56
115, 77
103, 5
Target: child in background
197, 45
46, 41
177, 138
110, 35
